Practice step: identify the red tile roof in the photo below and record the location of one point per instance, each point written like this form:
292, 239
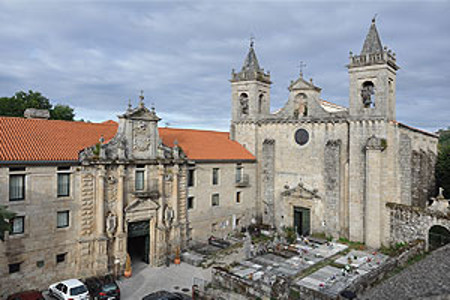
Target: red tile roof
205, 145
50, 140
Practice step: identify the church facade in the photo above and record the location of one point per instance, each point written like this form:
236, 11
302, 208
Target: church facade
86, 195
323, 168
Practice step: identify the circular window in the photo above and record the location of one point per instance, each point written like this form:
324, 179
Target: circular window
301, 137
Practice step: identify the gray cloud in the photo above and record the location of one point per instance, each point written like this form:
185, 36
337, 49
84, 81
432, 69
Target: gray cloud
96, 55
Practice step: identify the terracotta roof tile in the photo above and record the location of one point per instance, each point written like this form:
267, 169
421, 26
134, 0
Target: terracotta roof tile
50, 140
205, 145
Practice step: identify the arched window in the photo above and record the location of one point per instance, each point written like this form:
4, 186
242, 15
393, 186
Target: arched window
260, 103
368, 94
243, 100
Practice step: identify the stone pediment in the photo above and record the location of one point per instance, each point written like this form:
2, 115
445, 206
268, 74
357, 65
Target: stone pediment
141, 113
300, 191
302, 84
140, 205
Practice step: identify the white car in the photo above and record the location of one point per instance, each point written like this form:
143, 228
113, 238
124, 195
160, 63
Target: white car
71, 289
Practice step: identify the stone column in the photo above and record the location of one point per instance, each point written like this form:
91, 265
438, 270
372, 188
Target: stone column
161, 194
120, 191
175, 200
373, 199
153, 239
100, 215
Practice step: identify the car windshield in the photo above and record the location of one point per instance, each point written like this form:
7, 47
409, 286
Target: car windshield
109, 287
78, 290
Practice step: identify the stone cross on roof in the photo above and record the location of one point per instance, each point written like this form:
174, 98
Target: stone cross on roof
301, 66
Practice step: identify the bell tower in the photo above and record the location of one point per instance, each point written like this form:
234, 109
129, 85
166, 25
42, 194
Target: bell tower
250, 90
372, 79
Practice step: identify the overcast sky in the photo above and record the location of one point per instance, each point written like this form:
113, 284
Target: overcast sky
95, 55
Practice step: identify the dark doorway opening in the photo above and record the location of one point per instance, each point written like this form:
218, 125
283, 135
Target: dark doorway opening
138, 242
438, 236
302, 220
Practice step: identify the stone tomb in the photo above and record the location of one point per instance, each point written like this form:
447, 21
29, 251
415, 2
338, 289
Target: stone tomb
331, 280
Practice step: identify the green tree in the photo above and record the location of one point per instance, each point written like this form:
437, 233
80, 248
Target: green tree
5, 216
16, 105
62, 112
443, 169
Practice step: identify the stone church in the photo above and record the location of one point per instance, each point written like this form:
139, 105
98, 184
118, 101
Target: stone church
87, 194
323, 168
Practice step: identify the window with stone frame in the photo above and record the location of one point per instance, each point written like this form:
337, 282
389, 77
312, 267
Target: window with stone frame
140, 178
238, 196
62, 219
191, 177
215, 200
190, 202
61, 257
215, 176
14, 268
63, 184
239, 173
16, 187
17, 225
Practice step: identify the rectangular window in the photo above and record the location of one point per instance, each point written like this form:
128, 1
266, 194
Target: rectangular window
14, 268
139, 183
215, 176
239, 172
63, 184
190, 202
16, 187
17, 225
63, 219
215, 200
191, 177
238, 197
60, 258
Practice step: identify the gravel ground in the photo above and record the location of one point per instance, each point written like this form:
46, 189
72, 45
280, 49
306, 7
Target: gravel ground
428, 278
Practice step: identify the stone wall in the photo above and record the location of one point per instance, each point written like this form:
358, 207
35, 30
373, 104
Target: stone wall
423, 182
408, 223
206, 220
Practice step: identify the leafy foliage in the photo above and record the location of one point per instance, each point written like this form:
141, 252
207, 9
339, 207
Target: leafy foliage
443, 162
16, 105
62, 112
5, 216
443, 170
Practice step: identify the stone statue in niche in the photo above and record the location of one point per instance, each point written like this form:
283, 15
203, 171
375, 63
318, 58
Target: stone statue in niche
111, 223
367, 92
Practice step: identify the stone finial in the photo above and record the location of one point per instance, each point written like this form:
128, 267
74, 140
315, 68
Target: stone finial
141, 99
130, 107
441, 194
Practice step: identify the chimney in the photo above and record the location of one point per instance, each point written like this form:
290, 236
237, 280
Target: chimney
34, 113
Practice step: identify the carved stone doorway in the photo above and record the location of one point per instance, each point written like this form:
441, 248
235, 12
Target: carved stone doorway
138, 241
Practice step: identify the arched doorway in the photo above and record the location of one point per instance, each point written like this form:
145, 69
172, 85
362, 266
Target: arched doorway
438, 236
